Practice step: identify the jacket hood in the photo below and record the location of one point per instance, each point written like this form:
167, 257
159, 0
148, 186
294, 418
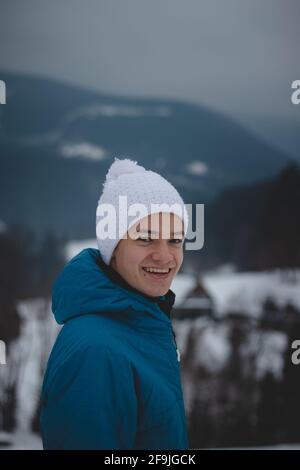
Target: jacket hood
86, 285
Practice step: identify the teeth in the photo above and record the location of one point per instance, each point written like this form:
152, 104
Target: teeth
156, 270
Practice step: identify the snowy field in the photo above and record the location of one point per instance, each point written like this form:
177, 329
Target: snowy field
29, 441
20, 441
243, 292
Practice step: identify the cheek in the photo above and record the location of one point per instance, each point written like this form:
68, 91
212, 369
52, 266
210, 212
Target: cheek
179, 259
135, 259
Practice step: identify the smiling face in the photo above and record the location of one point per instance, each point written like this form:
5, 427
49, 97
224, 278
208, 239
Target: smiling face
151, 254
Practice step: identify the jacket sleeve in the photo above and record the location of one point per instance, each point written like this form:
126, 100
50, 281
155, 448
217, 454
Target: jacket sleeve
91, 402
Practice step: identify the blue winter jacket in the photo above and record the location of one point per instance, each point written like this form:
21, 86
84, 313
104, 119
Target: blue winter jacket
113, 376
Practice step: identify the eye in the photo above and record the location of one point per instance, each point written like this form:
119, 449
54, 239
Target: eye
145, 239
174, 241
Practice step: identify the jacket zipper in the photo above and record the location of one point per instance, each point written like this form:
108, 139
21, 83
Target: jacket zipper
175, 344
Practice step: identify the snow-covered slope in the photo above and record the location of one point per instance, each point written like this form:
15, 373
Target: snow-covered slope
245, 292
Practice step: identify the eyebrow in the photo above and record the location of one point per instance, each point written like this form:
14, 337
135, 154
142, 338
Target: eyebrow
150, 232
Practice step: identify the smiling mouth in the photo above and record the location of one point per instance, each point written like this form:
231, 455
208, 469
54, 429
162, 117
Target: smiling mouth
156, 273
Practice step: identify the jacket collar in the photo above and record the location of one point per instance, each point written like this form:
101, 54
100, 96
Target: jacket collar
165, 302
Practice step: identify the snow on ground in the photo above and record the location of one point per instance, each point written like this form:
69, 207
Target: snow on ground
181, 285
20, 441
270, 447
26, 360
268, 348
27, 357
212, 348
182, 329
25, 441
31, 351
245, 292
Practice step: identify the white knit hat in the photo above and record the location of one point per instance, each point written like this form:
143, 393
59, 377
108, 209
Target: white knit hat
127, 178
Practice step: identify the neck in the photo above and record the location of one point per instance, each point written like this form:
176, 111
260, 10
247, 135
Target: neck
165, 302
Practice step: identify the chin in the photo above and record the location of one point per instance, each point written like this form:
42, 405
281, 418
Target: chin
156, 292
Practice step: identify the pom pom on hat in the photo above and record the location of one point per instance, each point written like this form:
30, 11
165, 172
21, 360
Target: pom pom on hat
123, 167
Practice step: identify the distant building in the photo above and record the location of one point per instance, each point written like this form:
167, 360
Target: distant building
196, 303
276, 316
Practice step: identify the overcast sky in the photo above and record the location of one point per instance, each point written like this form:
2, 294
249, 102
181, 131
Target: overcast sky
236, 56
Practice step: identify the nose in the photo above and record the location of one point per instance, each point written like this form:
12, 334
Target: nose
161, 253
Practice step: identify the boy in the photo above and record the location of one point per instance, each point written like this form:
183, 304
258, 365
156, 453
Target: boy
113, 377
